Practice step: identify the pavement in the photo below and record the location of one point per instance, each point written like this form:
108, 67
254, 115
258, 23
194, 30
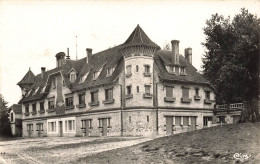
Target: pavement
60, 149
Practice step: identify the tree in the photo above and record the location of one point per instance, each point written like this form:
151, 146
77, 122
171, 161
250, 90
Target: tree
5, 128
231, 60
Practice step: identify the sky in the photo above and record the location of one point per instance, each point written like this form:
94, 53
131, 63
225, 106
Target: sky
33, 32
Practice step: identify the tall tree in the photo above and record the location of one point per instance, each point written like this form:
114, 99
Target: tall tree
5, 128
231, 60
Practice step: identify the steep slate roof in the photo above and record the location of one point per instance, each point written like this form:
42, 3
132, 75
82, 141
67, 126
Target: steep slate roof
28, 78
108, 58
139, 38
192, 76
17, 109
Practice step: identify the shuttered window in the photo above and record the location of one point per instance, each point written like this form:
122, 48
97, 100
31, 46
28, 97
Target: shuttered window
185, 93
169, 91
147, 89
178, 120
109, 94
185, 121
94, 96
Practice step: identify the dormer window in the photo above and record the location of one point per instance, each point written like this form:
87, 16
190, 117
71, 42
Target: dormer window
183, 71
110, 71
95, 75
83, 78
54, 83
170, 69
72, 77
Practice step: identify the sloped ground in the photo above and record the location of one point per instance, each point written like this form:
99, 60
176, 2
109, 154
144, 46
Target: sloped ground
211, 145
59, 150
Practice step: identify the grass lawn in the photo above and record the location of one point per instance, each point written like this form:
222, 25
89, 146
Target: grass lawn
210, 145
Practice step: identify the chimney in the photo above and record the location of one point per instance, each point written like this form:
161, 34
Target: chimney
188, 54
89, 54
175, 51
68, 53
60, 59
43, 70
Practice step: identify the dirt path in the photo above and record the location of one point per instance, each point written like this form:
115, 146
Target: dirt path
60, 150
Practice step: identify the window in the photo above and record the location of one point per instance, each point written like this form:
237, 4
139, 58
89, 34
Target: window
110, 71
69, 101
27, 109
183, 71
100, 125
95, 75
72, 77
170, 69
94, 97
197, 91
147, 69
69, 125
205, 121
52, 126
147, 89
130, 119
128, 89
54, 83
51, 104
137, 89
222, 119
128, 70
109, 94
29, 127
100, 120
39, 127
41, 105
177, 120
84, 122
185, 93
81, 98
207, 95
169, 91
147, 118
137, 69
12, 117
185, 121
34, 107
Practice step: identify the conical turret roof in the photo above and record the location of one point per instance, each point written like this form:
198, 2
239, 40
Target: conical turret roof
28, 78
138, 37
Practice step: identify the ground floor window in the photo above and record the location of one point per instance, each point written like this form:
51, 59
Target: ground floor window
39, 127
86, 123
222, 119
104, 120
185, 121
206, 120
52, 126
69, 125
29, 127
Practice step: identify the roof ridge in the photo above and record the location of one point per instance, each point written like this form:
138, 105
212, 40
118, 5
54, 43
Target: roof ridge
140, 34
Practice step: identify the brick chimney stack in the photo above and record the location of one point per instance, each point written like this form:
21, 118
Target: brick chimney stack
42, 71
89, 54
175, 51
188, 54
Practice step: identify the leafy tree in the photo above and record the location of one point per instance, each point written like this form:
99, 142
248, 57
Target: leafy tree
231, 60
5, 128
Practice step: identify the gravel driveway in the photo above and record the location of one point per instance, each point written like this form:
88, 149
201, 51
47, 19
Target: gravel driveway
60, 149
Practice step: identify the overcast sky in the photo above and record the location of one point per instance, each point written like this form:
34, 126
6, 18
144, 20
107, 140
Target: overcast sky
33, 32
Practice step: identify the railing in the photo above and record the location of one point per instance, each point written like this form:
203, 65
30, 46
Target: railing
231, 106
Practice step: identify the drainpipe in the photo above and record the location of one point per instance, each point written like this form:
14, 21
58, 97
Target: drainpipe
156, 104
121, 110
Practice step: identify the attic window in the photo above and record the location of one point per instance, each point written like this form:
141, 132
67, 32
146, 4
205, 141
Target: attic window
110, 71
72, 77
170, 69
95, 75
183, 71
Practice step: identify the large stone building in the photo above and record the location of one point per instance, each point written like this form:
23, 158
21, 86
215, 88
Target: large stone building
131, 89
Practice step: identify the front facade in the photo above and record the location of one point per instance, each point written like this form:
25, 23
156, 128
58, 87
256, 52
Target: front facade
131, 89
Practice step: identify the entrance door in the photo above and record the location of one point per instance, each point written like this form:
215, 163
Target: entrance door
39, 128
87, 127
104, 123
60, 129
169, 125
193, 123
